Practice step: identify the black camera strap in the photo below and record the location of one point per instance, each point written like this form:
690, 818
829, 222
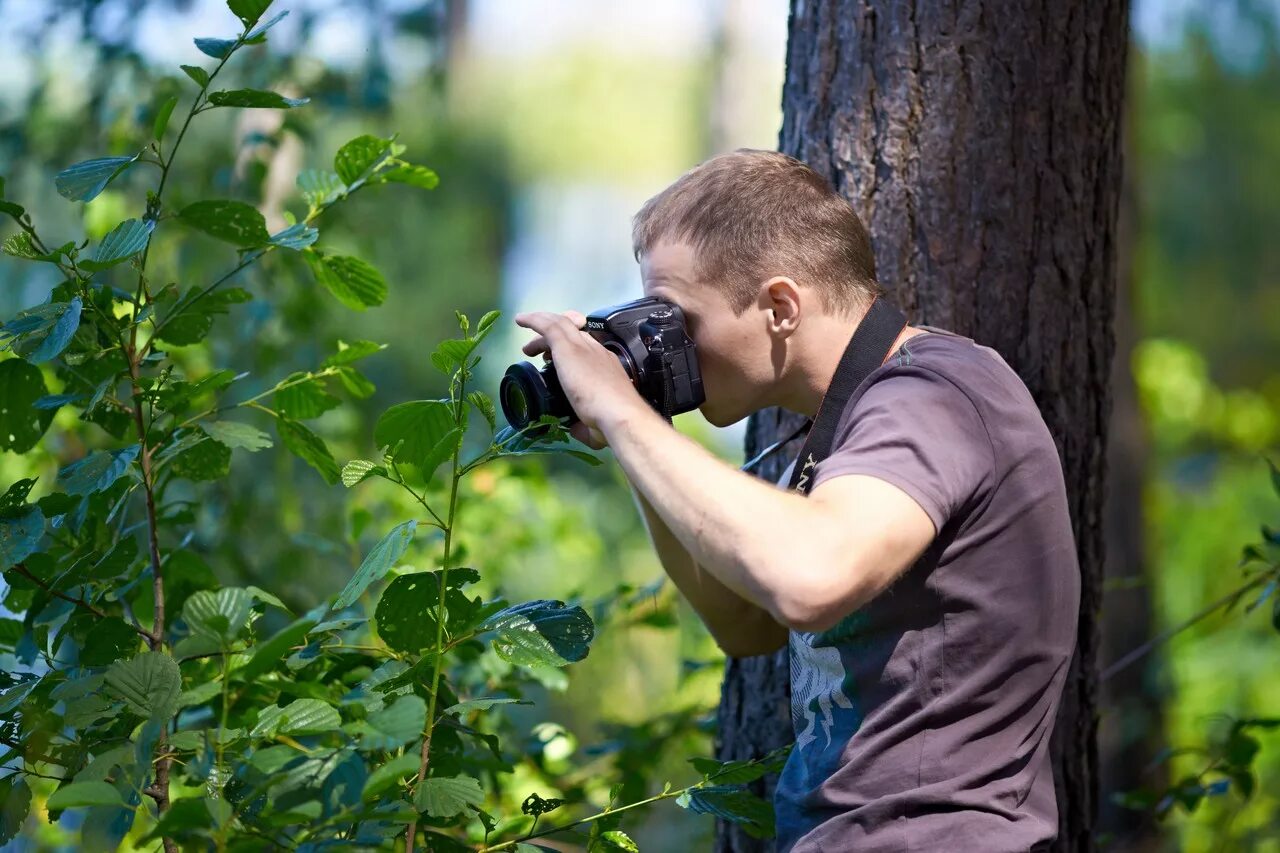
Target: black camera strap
867, 350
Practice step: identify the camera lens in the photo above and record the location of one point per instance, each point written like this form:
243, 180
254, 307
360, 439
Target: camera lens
526, 394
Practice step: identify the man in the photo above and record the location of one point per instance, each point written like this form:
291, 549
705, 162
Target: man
927, 585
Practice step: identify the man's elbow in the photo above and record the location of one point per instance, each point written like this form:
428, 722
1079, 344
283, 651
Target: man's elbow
818, 604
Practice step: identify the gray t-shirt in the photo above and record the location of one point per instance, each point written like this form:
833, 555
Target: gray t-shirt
922, 719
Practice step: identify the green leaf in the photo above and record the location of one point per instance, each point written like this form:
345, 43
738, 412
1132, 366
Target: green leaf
79, 794
406, 613
616, 839
395, 725
415, 176
108, 641
732, 803
388, 774
233, 221
162, 117
198, 74
426, 428
21, 424
541, 633
149, 684
248, 11
319, 187
302, 716
442, 796
297, 237
308, 447
741, 772
125, 240
305, 399
486, 323
20, 245
1275, 476
43, 332
349, 353
15, 804
217, 48
453, 353
463, 708
191, 319
358, 470
484, 403
20, 535
358, 156
267, 655
84, 180
97, 471
221, 615
355, 283
234, 434
255, 35
378, 562
254, 99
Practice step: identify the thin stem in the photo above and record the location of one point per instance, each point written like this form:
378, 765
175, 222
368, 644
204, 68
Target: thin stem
1164, 636
507, 845
21, 568
440, 610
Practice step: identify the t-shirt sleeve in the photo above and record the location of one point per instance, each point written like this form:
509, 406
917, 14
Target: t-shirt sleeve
917, 430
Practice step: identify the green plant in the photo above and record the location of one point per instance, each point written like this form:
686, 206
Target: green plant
159, 701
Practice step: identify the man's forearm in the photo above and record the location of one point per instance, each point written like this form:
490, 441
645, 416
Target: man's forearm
740, 628
728, 521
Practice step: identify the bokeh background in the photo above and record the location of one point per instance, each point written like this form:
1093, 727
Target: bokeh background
550, 123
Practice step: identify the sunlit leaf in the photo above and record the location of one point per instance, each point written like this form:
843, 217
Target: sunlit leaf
248, 11
442, 796
84, 180
320, 187
358, 470
732, 803
20, 534
297, 237
359, 156
222, 614
149, 684
422, 426
96, 471
416, 176
123, 242
351, 352
541, 633
355, 283
305, 398
302, 716
378, 562
79, 794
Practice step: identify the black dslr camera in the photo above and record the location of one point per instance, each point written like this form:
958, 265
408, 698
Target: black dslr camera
648, 337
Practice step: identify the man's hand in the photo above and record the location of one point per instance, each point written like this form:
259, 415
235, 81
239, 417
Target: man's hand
593, 379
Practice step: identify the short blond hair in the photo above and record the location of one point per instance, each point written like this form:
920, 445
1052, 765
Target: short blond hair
752, 214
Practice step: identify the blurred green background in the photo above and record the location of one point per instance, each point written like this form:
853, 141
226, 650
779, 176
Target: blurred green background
550, 124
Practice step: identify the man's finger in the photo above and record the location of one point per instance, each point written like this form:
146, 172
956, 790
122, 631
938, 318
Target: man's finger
554, 328
535, 346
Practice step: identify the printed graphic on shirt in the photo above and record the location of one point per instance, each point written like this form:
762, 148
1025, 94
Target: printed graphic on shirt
825, 711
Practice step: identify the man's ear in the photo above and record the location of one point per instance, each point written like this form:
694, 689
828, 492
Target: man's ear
780, 297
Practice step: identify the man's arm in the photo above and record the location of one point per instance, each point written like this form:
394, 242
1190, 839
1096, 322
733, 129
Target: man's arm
805, 561
740, 628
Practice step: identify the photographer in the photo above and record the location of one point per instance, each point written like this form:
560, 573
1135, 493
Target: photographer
920, 566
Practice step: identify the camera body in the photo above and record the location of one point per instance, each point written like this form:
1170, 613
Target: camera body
647, 335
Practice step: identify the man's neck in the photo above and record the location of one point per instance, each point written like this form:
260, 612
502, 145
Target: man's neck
816, 370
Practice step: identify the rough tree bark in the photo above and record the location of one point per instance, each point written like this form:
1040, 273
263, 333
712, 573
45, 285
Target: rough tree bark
980, 141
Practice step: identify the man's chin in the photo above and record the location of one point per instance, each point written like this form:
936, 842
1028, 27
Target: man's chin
718, 418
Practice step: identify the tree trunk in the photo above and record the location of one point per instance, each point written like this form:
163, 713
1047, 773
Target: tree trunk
981, 144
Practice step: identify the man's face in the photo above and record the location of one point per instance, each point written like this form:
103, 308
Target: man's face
729, 347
